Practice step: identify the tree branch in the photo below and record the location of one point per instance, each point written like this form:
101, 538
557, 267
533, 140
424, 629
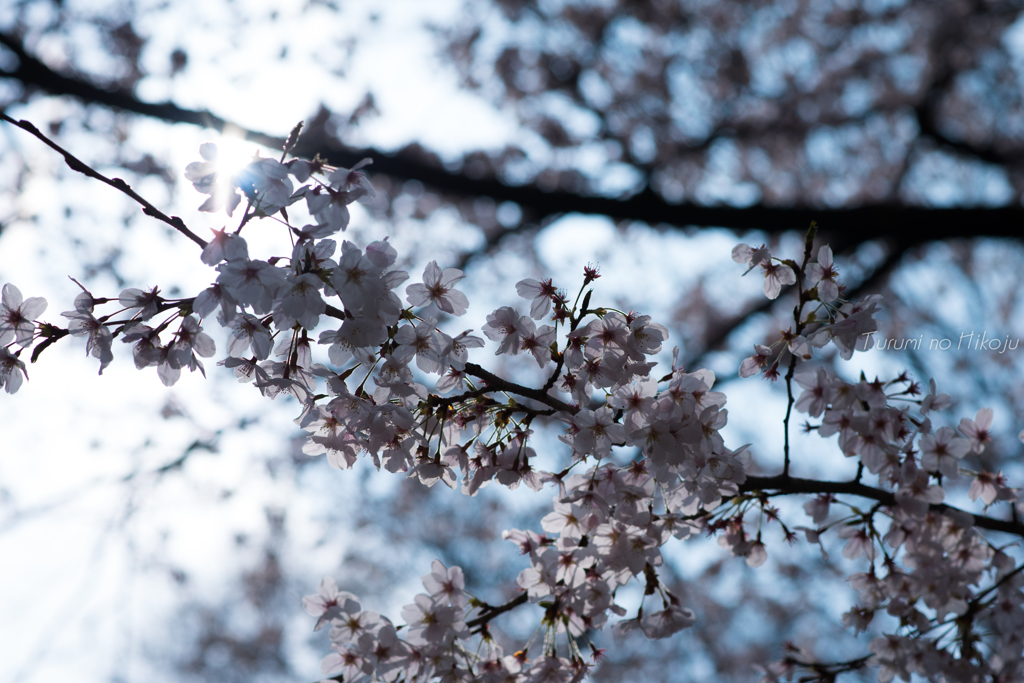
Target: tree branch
77, 165
792, 485
862, 223
491, 612
495, 383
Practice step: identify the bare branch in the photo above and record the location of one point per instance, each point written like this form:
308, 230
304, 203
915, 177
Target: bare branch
76, 164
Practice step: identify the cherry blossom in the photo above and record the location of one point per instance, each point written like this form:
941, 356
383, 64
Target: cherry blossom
207, 179
252, 283
299, 302
12, 371
432, 622
824, 274
16, 316
329, 603
266, 183
925, 564
189, 342
423, 342
775, 277
249, 333
353, 181
81, 322
743, 253
448, 582
933, 401
225, 247
645, 337
503, 325
667, 622
754, 364
858, 542
455, 350
438, 288
536, 340
818, 508
853, 330
990, 487
540, 292
816, 390
148, 303
977, 430
942, 452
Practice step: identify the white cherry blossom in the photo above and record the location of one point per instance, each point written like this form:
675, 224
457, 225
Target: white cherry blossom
824, 274
17, 315
12, 371
438, 288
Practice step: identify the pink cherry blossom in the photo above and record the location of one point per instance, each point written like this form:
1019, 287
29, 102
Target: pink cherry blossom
942, 452
858, 542
667, 622
977, 430
82, 323
753, 364
816, 392
743, 253
329, 603
536, 340
353, 182
225, 247
206, 178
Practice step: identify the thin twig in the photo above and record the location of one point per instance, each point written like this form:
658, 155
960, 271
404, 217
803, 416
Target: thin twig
491, 612
78, 165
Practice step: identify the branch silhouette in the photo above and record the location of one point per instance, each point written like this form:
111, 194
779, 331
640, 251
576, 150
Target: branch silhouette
76, 164
908, 224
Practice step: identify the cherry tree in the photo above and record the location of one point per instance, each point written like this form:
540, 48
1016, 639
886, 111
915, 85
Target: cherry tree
383, 373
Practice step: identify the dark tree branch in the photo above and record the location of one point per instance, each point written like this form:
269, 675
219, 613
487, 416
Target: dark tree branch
495, 383
77, 165
33, 73
790, 485
949, 40
908, 223
929, 127
490, 612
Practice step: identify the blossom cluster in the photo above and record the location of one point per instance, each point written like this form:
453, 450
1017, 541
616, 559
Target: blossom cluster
378, 377
366, 644
930, 568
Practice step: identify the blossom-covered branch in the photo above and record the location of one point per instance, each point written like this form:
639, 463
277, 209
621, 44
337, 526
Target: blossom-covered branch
380, 379
788, 485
